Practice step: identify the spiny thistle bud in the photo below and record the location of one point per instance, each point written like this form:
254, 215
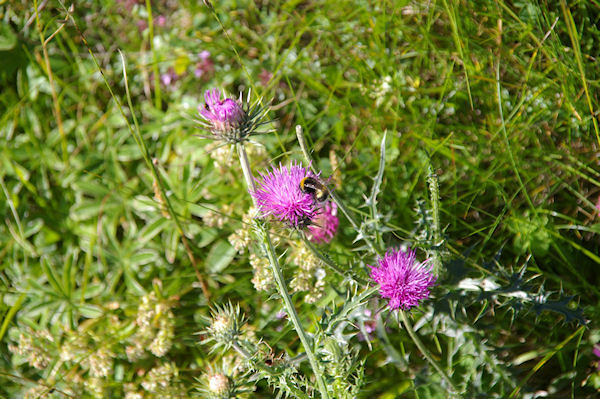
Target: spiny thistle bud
224, 381
218, 383
225, 325
230, 120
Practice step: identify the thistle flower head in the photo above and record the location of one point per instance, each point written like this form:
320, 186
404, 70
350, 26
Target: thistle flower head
228, 119
224, 381
402, 279
278, 194
220, 112
226, 326
325, 224
218, 383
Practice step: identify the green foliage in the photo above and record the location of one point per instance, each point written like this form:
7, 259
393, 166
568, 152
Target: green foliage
468, 130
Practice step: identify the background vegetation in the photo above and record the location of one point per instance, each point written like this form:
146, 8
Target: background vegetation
500, 97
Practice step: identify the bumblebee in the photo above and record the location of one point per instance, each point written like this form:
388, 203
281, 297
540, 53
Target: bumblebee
310, 185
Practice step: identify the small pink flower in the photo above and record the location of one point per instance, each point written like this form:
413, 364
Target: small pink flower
278, 194
325, 224
128, 4
205, 65
370, 325
161, 20
402, 279
142, 25
169, 77
265, 77
280, 315
596, 352
598, 204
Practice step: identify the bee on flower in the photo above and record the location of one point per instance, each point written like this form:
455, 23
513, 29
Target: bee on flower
279, 194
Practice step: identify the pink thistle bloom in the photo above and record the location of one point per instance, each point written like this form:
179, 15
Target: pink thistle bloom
598, 204
230, 120
325, 224
403, 280
223, 115
278, 194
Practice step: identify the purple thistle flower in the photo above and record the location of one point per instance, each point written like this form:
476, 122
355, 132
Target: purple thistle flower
220, 112
230, 120
325, 224
225, 118
279, 194
402, 279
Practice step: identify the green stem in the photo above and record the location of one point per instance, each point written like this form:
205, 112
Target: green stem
55, 99
11, 313
246, 169
434, 192
157, 96
425, 351
277, 273
261, 366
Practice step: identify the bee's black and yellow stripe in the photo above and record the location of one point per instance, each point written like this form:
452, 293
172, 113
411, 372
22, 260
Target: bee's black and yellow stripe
314, 187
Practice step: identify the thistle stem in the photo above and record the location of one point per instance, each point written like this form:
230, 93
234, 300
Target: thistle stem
413, 335
261, 366
246, 169
278, 274
434, 192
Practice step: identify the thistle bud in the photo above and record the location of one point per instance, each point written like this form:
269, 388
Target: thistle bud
225, 325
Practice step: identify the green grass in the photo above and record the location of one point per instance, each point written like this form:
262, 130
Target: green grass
107, 195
